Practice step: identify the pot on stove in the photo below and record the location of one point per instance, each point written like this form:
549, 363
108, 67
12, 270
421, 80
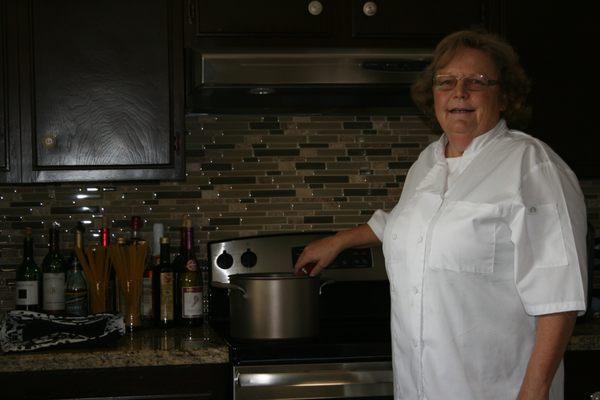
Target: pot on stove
273, 305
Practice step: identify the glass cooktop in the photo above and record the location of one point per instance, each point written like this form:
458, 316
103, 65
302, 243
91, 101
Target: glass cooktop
338, 341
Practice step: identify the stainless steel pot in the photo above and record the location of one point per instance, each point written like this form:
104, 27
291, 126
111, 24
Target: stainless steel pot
273, 305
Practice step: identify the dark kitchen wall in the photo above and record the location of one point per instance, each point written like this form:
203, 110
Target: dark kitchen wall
246, 175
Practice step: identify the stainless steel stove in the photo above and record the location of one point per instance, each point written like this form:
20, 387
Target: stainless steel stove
351, 355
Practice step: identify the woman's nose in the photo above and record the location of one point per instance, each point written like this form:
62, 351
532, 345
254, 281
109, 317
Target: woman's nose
460, 90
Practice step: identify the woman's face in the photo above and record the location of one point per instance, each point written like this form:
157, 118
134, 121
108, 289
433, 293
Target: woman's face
465, 114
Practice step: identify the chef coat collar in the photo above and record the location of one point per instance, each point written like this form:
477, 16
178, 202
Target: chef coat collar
474, 147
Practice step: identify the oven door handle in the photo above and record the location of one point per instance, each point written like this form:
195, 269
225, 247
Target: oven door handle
311, 377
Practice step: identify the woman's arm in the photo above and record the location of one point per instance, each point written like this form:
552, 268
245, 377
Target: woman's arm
552, 336
322, 252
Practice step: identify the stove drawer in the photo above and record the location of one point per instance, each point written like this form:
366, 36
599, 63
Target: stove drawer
354, 380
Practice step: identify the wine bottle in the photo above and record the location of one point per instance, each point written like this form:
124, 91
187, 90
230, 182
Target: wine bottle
53, 274
136, 225
190, 281
111, 295
76, 292
178, 267
29, 278
165, 286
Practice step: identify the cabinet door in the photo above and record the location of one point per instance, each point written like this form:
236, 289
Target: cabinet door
557, 52
413, 20
263, 18
4, 139
101, 93
9, 112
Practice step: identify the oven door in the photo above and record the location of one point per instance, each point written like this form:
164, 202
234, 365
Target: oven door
352, 380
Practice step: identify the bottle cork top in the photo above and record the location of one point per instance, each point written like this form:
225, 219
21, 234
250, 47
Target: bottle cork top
136, 223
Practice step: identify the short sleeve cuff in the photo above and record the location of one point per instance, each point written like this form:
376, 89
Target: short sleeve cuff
553, 308
377, 223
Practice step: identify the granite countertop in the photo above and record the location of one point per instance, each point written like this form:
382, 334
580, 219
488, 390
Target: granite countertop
141, 348
181, 346
586, 336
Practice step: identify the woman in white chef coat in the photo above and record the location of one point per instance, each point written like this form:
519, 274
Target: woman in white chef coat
485, 250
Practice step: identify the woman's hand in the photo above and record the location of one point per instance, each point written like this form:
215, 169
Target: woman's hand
320, 253
317, 255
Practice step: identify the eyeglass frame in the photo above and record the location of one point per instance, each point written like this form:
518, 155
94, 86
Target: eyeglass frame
488, 82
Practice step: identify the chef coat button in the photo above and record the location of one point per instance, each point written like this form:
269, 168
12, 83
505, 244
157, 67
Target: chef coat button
415, 344
416, 290
532, 210
420, 239
394, 236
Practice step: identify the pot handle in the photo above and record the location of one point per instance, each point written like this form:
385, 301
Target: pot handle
229, 286
325, 284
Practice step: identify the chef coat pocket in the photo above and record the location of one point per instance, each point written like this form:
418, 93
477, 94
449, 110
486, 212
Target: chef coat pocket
464, 238
545, 235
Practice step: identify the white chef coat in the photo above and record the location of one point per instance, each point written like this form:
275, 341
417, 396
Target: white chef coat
470, 266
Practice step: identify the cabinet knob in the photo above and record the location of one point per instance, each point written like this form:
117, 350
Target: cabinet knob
315, 7
49, 141
370, 8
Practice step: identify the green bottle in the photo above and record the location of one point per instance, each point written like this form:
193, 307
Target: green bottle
53, 275
76, 292
165, 286
29, 278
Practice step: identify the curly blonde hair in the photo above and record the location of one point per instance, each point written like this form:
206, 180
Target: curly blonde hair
514, 84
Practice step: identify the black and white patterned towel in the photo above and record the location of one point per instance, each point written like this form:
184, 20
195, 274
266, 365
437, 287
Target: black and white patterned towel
28, 330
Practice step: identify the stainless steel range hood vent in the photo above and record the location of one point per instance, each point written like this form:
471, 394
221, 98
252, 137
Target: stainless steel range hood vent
303, 82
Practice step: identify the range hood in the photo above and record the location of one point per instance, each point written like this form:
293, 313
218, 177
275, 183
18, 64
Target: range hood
315, 82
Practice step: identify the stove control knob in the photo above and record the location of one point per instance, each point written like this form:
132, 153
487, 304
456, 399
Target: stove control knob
225, 261
249, 259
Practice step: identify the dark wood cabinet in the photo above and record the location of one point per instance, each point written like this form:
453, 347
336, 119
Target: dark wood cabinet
100, 89
3, 91
10, 143
189, 382
340, 23
581, 374
264, 18
557, 46
415, 19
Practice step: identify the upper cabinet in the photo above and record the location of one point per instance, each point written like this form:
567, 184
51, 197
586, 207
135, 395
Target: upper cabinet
557, 54
340, 23
4, 142
100, 90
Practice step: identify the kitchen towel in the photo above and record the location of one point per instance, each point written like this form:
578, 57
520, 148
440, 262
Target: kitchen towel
28, 330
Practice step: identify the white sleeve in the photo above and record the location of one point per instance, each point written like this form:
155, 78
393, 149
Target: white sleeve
548, 225
377, 223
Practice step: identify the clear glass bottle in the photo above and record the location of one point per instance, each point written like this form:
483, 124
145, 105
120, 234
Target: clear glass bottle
190, 282
29, 278
53, 274
76, 290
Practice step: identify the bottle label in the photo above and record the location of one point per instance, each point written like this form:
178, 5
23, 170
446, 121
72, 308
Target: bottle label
166, 296
147, 297
54, 291
191, 265
76, 304
191, 302
27, 293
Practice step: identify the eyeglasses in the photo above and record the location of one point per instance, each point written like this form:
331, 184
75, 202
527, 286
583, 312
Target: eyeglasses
472, 83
